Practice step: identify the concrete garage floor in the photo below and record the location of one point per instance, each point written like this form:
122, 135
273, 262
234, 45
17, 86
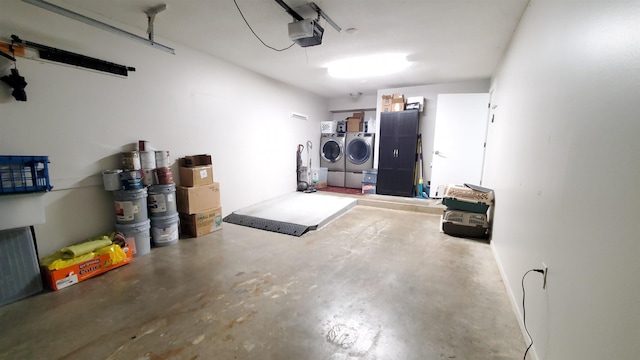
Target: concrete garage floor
373, 284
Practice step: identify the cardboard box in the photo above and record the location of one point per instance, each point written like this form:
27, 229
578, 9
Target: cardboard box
195, 160
196, 176
62, 278
359, 115
386, 103
319, 185
192, 200
354, 124
397, 102
201, 223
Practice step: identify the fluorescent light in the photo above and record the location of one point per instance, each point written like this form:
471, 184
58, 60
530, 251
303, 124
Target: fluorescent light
299, 116
368, 66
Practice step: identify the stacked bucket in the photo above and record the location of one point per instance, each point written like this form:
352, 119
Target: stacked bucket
130, 201
144, 200
466, 213
162, 198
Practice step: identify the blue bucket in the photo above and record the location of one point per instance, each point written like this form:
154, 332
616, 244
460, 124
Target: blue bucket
131, 180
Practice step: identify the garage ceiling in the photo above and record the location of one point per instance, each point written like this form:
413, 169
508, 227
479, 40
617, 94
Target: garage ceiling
445, 40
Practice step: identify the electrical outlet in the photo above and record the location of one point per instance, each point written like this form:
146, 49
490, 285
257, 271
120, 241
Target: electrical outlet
544, 276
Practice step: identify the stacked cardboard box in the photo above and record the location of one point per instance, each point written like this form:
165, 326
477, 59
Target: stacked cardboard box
466, 213
393, 102
198, 196
397, 102
386, 103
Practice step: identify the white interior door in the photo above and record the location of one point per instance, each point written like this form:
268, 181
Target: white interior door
460, 133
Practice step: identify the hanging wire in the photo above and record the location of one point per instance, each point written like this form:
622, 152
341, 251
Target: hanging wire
256, 35
524, 311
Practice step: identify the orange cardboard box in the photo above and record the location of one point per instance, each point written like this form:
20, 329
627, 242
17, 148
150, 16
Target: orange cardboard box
62, 278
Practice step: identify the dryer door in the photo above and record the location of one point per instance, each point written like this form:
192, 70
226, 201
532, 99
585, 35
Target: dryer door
358, 151
332, 151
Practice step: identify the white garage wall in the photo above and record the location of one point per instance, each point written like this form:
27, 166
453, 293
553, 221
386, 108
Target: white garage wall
563, 159
187, 103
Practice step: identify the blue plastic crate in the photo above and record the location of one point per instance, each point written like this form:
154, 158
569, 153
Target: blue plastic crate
24, 174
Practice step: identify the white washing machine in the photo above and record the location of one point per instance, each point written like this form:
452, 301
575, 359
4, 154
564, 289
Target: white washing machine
359, 157
332, 156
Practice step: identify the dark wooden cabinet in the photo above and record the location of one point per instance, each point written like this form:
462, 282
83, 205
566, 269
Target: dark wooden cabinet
397, 153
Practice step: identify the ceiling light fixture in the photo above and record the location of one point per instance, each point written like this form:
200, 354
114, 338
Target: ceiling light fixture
351, 31
368, 66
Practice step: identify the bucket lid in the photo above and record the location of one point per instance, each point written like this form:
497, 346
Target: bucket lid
166, 188
130, 194
167, 218
140, 226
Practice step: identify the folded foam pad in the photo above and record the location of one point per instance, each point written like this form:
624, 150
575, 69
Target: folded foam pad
85, 247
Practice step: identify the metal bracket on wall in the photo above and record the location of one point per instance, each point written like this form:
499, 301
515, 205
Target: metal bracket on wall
100, 25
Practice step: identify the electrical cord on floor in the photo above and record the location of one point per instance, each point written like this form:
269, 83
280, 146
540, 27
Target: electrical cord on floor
256, 35
524, 311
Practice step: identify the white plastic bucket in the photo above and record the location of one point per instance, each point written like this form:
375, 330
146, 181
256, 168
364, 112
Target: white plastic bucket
164, 230
130, 206
162, 159
162, 200
137, 236
147, 160
111, 180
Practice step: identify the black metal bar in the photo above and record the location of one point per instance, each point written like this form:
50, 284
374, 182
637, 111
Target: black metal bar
289, 10
3, 54
67, 57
